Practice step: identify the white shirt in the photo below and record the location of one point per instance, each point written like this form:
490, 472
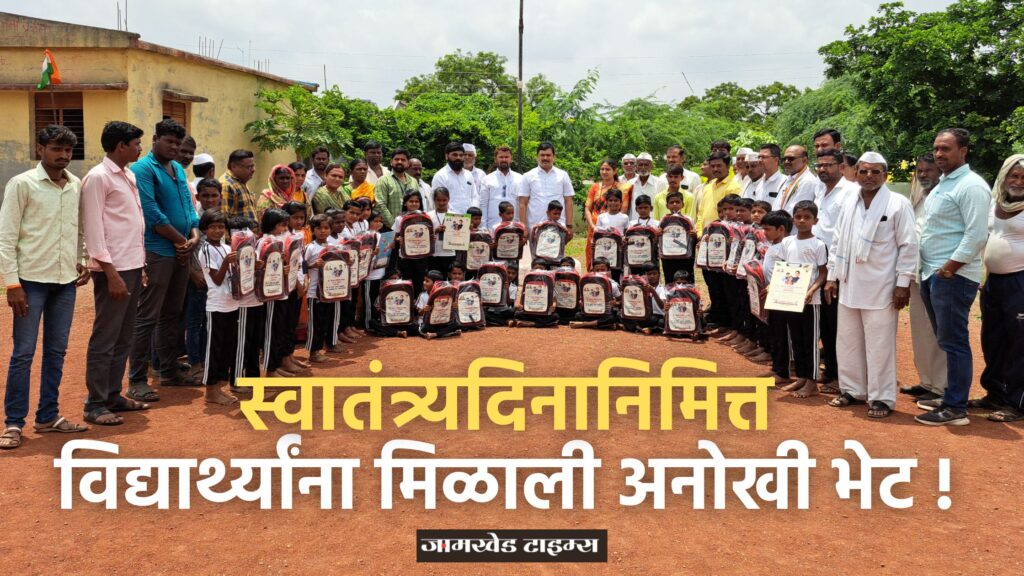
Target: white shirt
1004, 253
218, 297
890, 263
650, 189
771, 256
830, 204
807, 251
649, 221
438, 220
371, 176
312, 183
805, 186
619, 221
310, 256
498, 188
541, 187
426, 197
750, 189
462, 189
478, 176
769, 186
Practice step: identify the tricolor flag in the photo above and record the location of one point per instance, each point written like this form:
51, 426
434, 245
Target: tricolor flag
50, 73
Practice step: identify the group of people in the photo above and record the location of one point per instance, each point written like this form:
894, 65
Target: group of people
159, 248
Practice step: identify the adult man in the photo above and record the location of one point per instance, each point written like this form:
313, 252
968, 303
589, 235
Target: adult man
769, 188
929, 359
628, 168
373, 153
953, 237
872, 259
460, 183
675, 155
469, 165
319, 160
426, 193
235, 198
827, 139
41, 260
171, 236
186, 152
740, 167
394, 186
114, 237
801, 184
644, 184
722, 146
755, 173
830, 200
543, 184
717, 187
502, 185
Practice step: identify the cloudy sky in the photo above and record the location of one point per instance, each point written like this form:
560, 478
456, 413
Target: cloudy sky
640, 47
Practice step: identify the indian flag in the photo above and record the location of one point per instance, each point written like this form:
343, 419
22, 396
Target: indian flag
51, 75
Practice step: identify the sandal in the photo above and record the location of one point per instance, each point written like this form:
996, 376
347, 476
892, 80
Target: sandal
127, 405
985, 403
179, 380
11, 438
103, 417
844, 400
879, 409
142, 393
1006, 415
62, 425
829, 388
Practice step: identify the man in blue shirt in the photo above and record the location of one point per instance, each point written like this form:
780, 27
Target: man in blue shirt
953, 239
171, 236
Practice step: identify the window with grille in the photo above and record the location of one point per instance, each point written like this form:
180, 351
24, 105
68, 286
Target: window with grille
177, 111
65, 109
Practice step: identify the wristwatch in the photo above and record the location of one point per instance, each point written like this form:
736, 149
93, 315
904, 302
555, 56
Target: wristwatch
946, 273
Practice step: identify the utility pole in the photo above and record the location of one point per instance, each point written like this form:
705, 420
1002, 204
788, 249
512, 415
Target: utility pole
519, 85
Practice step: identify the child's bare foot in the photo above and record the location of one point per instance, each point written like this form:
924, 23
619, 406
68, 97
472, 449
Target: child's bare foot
646, 331
318, 357
809, 389
760, 358
336, 349
346, 338
429, 335
402, 334
301, 363
795, 385
215, 395
351, 333
575, 324
512, 323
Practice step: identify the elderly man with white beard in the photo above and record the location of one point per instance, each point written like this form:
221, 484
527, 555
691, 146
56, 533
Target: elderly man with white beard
871, 264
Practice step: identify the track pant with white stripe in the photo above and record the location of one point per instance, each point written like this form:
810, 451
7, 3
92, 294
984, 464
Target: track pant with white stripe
222, 332
803, 335
319, 324
250, 340
279, 336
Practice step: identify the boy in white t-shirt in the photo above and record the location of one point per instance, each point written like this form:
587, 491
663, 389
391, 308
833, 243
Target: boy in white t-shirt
215, 259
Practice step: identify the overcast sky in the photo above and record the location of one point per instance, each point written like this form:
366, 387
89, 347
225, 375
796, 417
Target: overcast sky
641, 47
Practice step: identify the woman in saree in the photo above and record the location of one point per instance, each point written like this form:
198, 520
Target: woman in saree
595, 198
334, 193
360, 187
281, 189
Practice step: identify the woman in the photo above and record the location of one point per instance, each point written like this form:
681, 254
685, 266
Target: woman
595, 199
281, 189
360, 187
334, 193
1002, 299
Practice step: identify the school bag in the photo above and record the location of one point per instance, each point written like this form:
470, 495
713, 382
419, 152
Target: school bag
675, 242
682, 311
442, 304
396, 303
567, 288
608, 245
641, 245
243, 271
636, 301
417, 233
596, 290
547, 241
479, 252
334, 283
470, 310
755, 283
270, 280
508, 243
538, 292
494, 280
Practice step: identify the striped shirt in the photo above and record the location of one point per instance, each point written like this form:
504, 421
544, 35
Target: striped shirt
956, 223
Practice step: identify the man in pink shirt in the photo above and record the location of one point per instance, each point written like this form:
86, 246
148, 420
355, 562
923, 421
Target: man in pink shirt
114, 228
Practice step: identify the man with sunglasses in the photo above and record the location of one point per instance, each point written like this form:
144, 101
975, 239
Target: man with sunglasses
801, 183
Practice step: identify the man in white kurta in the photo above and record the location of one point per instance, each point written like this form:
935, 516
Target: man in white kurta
644, 184
873, 259
461, 185
801, 184
542, 185
502, 185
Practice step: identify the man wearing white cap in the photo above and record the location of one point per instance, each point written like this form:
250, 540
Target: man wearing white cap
203, 166
628, 168
872, 261
644, 184
755, 173
740, 167
469, 163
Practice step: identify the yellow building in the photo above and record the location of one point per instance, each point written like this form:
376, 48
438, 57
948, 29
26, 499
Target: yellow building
114, 75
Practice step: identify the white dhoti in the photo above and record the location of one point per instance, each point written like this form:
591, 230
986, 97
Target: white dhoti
866, 342
929, 359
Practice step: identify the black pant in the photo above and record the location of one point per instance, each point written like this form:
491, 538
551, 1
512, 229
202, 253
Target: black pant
778, 334
377, 327
414, 271
671, 266
1002, 338
250, 341
803, 334
371, 289
738, 302
319, 323
498, 315
829, 328
279, 339
443, 330
538, 320
655, 322
441, 264
111, 339
161, 306
607, 321
222, 330
718, 313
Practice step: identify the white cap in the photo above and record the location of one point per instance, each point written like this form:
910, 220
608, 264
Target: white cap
468, 148
201, 159
743, 152
873, 158
644, 156
752, 156
628, 156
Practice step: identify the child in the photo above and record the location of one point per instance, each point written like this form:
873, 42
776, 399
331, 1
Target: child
805, 248
674, 177
476, 216
423, 308
208, 193
347, 332
371, 286
442, 259
718, 311
524, 319
337, 225
507, 213
277, 343
554, 214
215, 258
777, 225
643, 213
456, 274
390, 331
735, 287
296, 227
505, 315
414, 270
362, 224
320, 315
658, 296
759, 211
566, 315
610, 318
251, 319
613, 217
674, 205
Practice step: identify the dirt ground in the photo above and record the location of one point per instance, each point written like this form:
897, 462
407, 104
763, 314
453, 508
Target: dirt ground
981, 534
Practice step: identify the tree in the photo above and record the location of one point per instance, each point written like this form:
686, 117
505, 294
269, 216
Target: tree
298, 120
836, 104
463, 73
925, 72
539, 89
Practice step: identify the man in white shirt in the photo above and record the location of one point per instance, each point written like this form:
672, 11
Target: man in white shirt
317, 172
499, 186
871, 264
675, 155
628, 168
373, 153
770, 186
460, 183
800, 185
644, 184
830, 138
469, 164
755, 173
542, 185
740, 167
426, 192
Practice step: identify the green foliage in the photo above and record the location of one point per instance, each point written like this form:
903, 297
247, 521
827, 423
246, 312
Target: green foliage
297, 120
837, 104
463, 73
925, 72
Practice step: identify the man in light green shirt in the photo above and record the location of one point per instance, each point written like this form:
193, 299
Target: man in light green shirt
391, 188
42, 260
